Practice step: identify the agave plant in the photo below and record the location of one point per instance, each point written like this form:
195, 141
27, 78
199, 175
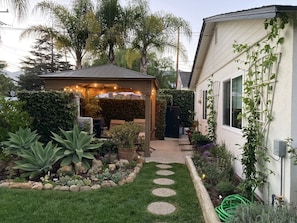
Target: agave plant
20, 140
77, 146
37, 160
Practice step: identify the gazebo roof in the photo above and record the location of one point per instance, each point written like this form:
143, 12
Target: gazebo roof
108, 71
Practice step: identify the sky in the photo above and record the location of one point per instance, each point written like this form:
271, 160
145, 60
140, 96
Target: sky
13, 50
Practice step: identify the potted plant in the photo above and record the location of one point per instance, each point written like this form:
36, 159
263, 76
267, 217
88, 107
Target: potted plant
125, 136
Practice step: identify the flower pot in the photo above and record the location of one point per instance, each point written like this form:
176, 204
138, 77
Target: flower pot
127, 153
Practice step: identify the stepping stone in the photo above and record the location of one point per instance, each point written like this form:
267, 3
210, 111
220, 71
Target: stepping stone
164, 166
164, 172
161, 208
163, 181
164, 192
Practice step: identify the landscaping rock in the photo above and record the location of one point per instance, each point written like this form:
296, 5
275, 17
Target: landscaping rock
58, 187
96, 187
79, 168
112, 167
122, 182
106, 184
37, 186
20, 185
4, 185
137, 169
74, 188
64, 188
85, 188
130, 179
48, 186
97, 163
122, 163
65, 170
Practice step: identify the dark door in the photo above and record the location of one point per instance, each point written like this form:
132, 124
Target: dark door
172, 122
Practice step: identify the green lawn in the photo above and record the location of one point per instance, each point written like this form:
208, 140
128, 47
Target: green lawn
121, 204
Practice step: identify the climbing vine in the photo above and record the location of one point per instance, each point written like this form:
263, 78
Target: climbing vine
211, 116
260, 66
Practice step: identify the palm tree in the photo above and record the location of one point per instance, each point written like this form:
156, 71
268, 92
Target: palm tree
18, 6
73, 26
110, 15
154, 31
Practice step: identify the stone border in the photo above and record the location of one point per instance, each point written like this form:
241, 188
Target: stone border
209, 214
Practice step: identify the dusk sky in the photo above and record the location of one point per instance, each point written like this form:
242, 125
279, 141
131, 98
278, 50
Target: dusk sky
12, 50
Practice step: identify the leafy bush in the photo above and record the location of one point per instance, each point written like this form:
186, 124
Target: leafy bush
225, 188
199, 139
20, 140
77, 146
37, 160
260, 213
50, 111
12, 117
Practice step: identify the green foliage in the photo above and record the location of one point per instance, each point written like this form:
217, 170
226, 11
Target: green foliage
185, 100
260, 213
6, 84
37, 160
50, 111
20, 140
259, 85
215, 167
199, 139
212, 113
225, 188
160, 119
76, 146
12, 117
107, 146
125, 136
167, 97
113, 109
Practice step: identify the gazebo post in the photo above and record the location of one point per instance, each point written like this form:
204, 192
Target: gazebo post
147, 152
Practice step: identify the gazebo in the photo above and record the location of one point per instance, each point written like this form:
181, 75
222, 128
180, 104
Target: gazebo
97, 80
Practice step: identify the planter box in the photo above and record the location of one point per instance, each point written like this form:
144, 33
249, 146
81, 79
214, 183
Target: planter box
209, 213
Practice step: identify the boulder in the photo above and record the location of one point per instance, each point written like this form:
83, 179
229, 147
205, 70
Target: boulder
65, 170
20, 185
48, 186
37, 186
74, 188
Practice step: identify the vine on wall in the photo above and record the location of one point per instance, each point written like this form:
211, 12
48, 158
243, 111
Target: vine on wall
261, 61
212, 114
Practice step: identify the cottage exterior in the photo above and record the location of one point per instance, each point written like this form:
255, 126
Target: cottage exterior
216, 60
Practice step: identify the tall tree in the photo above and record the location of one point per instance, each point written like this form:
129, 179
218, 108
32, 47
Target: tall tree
110, 16
154, 31
7, 84
19, 7
43, 59
73, 26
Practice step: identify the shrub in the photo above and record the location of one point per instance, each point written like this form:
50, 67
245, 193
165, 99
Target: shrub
261, 213
12, 117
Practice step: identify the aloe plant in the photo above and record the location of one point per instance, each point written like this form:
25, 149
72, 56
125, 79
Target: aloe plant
21, 139
77, 146
37, 159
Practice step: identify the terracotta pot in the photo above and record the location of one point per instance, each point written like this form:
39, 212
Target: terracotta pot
127, 153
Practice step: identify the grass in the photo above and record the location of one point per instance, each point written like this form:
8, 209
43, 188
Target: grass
126, 203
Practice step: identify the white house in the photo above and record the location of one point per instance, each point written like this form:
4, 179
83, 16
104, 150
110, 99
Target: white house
183, 78
216, 60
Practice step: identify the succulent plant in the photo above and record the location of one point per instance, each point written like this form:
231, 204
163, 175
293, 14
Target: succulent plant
37, 159
76, 146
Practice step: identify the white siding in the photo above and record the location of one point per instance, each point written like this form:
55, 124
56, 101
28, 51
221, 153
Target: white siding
220, 62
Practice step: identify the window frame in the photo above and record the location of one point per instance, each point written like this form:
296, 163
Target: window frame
228, 110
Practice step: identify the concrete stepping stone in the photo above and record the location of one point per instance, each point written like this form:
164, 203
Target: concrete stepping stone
164, 192
164, 166
163, 181
164, 172
161, 208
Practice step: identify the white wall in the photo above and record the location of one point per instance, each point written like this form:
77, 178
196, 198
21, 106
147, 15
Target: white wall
220, 62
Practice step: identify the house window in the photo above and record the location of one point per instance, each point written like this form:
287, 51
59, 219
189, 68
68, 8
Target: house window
204, 104
232, 98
